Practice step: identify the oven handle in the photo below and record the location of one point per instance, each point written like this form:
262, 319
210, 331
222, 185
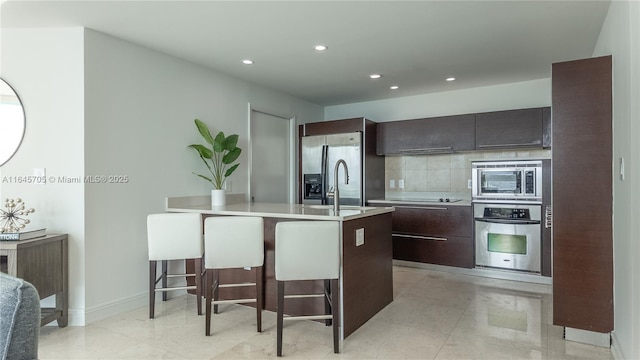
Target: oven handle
509, 221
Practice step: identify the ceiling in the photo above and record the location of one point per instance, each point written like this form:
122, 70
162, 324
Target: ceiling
413, 44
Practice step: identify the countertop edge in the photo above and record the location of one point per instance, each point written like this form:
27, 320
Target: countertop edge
419, 203
222, 211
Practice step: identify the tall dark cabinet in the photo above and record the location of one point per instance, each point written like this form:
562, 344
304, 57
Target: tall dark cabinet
582, 194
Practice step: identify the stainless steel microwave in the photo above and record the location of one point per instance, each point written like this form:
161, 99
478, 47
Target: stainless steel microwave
506, 180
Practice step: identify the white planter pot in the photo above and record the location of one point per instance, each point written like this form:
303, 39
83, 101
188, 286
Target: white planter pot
218, 198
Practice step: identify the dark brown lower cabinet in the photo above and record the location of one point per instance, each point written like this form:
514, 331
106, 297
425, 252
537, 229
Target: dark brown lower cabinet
439, 235
582, 194
450, 251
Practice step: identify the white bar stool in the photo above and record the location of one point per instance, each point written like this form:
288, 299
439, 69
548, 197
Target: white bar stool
232, 242
174, 236
309, 250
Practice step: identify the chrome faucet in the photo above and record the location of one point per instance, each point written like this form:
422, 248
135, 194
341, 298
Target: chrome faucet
336, 192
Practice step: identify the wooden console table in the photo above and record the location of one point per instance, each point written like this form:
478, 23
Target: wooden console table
43, 262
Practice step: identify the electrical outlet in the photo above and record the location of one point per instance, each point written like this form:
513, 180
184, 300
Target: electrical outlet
401, 184
469, 186
392, 184
227, 185
359, 236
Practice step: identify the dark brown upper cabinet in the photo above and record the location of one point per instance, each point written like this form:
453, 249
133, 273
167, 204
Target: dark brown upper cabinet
546, 127
510, 129
336, 127
427, 136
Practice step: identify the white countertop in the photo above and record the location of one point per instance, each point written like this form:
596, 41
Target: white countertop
202, 204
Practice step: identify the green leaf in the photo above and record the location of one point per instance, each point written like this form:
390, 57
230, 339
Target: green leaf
204, 131
202, 150
231, 156
231, 170
223, 151
218, 143
230, 142
204, 177
206, 163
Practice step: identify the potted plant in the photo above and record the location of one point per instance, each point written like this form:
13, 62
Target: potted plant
219, 156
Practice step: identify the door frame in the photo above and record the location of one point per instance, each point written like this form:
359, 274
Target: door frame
292, 186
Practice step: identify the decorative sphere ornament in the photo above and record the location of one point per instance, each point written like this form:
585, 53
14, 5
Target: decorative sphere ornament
14, 218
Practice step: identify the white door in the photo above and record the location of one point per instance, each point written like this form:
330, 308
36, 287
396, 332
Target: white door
271, 158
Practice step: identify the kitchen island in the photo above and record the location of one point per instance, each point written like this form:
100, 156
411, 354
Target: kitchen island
366, 278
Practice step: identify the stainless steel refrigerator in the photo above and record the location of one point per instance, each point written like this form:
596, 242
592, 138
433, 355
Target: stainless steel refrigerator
319, 155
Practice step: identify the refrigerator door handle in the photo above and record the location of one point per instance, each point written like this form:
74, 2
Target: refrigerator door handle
323, 174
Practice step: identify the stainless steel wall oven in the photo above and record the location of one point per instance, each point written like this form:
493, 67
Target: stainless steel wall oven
508, 236
507, 207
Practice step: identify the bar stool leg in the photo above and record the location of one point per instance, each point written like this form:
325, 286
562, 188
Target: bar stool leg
327, 305
280, 315
152, 288
198, 271
164, 279
259, 297
208, 279
216, 289
335, 307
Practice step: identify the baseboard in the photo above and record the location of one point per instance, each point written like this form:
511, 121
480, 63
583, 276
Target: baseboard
79, 317
100, 312
616, 350
490, 273
588, 337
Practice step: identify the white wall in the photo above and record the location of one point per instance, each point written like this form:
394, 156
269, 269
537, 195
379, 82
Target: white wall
97, 105
536, 93
620, 37
46, 69
140, 107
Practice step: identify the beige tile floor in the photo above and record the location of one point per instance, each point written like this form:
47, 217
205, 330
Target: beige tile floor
434, 315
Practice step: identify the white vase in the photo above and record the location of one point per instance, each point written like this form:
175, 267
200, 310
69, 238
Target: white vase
218, 197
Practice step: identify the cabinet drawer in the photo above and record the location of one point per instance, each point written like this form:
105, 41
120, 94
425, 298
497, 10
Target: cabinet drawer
435, 221
450, 251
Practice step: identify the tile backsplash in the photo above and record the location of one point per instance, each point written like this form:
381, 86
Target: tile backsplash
446, 173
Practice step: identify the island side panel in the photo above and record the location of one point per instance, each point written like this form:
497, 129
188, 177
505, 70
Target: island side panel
367, 270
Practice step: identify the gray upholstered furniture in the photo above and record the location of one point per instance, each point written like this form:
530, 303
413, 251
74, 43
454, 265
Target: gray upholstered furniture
19, 319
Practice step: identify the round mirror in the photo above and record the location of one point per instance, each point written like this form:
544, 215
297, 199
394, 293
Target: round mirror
12, 122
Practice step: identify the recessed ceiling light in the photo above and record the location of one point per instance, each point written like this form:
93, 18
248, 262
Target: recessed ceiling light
394, 87
320, 47
247, 62
450, 78
375, 76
